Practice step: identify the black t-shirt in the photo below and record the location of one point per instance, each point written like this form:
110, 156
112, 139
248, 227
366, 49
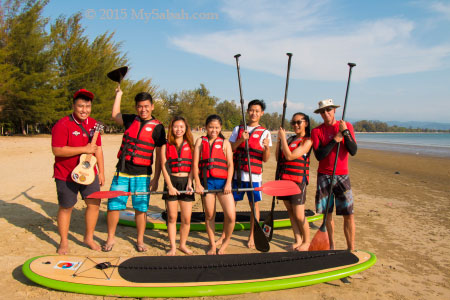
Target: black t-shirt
159, 136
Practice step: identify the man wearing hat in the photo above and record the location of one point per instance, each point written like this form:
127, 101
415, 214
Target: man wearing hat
325, 138
71, 137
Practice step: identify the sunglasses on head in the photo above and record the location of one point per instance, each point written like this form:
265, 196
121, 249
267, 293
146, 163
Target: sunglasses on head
299, 122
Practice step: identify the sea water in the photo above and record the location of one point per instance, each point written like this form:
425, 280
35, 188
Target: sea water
435, 144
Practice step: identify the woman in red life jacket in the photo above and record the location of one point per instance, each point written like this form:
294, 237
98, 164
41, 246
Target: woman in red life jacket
213, 170
176, 164
294, 165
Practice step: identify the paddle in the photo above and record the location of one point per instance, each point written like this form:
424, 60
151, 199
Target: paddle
268, 222
273, 188
261, 242
118, 74
321, 240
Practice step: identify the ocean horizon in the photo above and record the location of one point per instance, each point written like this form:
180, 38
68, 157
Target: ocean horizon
430, 144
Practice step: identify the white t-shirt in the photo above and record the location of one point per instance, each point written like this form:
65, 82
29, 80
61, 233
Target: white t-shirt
266, 134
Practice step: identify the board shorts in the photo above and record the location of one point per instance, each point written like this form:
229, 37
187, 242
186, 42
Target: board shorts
130, 183
180, 184
238, 196
342, 194
298, 199
68, 191
216, 183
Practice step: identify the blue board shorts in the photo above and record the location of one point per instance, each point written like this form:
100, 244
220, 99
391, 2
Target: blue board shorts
216, 183
130, 183
342, 194
238, 196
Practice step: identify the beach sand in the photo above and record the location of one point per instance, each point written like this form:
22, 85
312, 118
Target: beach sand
402, 213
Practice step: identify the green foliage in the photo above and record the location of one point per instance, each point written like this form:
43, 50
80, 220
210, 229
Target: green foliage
377, 126
230, 114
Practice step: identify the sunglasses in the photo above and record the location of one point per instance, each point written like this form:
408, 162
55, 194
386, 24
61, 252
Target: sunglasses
328, 109
298, 123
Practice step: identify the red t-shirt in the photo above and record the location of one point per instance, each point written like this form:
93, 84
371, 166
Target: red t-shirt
68, 133
322, 135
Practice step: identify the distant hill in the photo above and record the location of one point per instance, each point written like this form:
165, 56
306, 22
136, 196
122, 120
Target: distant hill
423, 125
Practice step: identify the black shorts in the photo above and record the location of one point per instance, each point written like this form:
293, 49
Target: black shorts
298, 199
180, 184
68, 191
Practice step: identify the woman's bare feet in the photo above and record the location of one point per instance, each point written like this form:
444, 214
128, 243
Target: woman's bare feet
171, 252
91, 244
185, 250
303, 247
212, 251
292, 247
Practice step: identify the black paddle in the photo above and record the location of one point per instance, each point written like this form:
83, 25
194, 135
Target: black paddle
118, 74
261, 242
268, 223
321, 241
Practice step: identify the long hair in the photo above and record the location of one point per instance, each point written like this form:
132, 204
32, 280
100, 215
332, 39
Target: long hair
211, 118
306, 117
187, 135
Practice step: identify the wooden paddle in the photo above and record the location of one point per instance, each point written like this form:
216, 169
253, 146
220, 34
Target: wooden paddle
321, 240
273, 188
268, 222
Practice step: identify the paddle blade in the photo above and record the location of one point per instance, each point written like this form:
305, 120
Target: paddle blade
107, 194
280, 188
320, 242
261, 242
118, 74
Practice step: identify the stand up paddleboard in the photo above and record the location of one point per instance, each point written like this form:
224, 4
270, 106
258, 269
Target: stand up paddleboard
193, 276
158, 220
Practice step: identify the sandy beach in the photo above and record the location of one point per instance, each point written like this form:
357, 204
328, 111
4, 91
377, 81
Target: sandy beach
402, 213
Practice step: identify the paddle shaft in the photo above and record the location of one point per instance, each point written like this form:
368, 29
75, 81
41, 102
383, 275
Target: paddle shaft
330, 191
184, 192
269, 223
261, 244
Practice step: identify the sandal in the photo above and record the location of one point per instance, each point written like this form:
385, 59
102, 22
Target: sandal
107, 248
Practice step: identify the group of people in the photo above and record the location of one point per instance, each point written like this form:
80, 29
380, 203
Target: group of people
188, 168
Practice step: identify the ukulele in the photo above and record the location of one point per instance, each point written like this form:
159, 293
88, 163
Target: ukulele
84, 171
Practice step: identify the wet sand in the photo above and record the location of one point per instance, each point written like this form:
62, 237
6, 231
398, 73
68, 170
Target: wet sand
402, 213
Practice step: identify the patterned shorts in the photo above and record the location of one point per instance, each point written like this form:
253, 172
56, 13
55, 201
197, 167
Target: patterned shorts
130, 183
342, 194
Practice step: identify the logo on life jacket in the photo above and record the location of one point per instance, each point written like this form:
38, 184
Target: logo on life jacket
218, 146
76, 133
148, 129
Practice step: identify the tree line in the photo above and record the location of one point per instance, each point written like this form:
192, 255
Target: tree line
377, 126
43, 64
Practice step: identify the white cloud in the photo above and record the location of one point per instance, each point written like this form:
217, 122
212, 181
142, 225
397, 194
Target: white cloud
265, 31
293, 106
443, 8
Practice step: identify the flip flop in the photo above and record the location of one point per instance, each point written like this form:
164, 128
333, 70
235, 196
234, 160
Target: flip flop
141, 248
107, 248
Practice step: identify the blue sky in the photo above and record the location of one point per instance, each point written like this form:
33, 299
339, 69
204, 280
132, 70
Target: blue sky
401, 48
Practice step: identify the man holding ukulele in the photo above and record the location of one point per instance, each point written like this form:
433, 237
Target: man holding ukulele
71, 137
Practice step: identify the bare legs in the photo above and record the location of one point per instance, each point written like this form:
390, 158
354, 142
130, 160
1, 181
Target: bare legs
229, 211
172, 211
91, 216
113, 220
300, 226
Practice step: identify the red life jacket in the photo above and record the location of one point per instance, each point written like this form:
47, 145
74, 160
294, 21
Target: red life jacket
255, 148
213, 162
179, 160
138, 144
297, 169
